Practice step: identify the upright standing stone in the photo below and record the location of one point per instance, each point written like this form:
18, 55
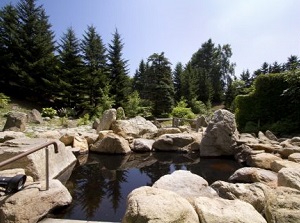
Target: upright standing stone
220, 136
108, 117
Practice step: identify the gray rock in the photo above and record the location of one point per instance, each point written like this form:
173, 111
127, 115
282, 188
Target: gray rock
174, 142
262, 160
33, 202
253, 174
295, 157
148, 204
111, 143
289, 177
282, 205
186, 184
142, 145
108, 117
34, 116
279, 164
34, 164
137, 127
8, 135
16, 121
220, 136
216, 210
253, 194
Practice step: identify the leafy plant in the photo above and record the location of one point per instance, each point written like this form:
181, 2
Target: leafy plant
4, 100
84, 120
49, 112
181, 110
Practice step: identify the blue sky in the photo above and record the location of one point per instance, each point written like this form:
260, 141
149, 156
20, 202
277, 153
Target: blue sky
257, 30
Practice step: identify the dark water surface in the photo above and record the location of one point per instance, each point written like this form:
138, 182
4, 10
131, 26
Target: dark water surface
100, 186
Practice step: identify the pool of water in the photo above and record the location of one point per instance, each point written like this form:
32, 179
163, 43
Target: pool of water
100, 185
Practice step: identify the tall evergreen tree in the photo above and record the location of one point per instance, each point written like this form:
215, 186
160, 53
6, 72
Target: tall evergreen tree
245, 76
213, 68
161, 86
177, 79
8, 46
119, 79
293, 63
139, 79
70, 66
95, 78
36, 59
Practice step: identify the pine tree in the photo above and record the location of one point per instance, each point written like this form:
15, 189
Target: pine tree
70, 69
161, 86
36, 59
139, 79
119, 79
96, 71
293, 63
8, 46
177, 79
213, 69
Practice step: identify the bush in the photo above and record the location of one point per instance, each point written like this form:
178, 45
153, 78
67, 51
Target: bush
49, 112
198, 107
181, 110
4, 100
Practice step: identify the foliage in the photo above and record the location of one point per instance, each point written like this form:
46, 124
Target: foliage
266, 106
120, 113
181, 110
49, 112
119, 79
84, 120
198, 107
159, 84
133, 106
4, 100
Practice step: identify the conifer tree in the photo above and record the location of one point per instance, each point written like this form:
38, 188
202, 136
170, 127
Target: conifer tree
96, 79
70, 69
177, 79
161, 86
119, 79
36, 59
8, 46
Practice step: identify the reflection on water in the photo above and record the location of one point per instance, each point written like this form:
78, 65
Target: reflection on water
100, 186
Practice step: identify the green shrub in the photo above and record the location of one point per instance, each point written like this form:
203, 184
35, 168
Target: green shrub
198, 107
181, 110
49, 112
4, 100
84, 120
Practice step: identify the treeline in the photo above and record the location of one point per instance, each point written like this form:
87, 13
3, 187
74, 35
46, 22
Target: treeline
86, 77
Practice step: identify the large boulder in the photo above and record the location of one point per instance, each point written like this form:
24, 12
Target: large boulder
148, 204
34, 163
34, 116
279, 164
253, 194
216, 210
142, 145
186, 184
262, 160
253, 174
108, 117
111, 143
289, 177
16, 121
182, 142
137, 127
9, 135
282, 205
33, 202
220, 135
